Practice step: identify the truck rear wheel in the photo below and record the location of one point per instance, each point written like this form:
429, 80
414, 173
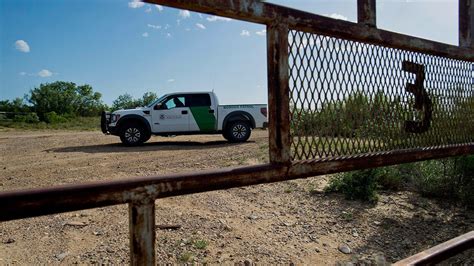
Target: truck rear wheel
133, 134
238, 131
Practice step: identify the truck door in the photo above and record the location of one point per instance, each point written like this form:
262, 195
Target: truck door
172, 115
203, 117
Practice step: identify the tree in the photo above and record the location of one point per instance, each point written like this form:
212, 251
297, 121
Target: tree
88, 102
148, 98
126, 101
17, 106
65, 98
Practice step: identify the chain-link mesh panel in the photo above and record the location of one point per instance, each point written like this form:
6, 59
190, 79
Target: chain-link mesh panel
349, 98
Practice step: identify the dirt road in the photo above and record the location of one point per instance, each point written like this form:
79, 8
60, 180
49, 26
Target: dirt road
279, 223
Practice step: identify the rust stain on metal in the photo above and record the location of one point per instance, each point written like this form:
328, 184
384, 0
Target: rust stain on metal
366, 12
142, 233
278, 93
466, 23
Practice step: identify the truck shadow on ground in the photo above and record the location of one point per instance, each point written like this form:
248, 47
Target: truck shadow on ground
149, 146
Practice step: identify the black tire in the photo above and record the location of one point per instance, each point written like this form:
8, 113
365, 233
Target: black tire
133, 134
103, 122
238, 131
225, 135
147, 137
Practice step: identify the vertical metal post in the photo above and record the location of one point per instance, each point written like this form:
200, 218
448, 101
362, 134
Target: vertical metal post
278, 93
466, 23
366, 12
142, 233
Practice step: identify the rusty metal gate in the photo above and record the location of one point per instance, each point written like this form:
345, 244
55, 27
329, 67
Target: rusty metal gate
341, 96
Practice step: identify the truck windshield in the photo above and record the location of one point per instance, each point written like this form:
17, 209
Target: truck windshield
158, 101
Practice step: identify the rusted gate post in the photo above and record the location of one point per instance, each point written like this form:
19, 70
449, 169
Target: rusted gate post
366, 13
466, 23
142, 233
278, 93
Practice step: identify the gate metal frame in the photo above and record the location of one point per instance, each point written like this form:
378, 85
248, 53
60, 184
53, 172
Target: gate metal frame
140, 193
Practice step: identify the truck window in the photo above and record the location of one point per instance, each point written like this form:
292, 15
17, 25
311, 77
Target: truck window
175, 102
199, 100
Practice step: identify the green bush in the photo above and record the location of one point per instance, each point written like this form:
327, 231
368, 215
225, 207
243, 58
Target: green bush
27, 118
389, 178
430, 180
450, 179
466, 190
53, 118
356, 185
200, 244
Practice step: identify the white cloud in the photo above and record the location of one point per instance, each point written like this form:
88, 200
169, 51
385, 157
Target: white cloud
216, 18
44, 73
145, 34
148, 10
170, 80
245, 33
168, 35
159, 7
184, 14
336, 16
156, 27
22, 46
199, 25
135, 4
262, 32
167, 26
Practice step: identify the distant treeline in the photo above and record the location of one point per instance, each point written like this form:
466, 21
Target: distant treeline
61, 101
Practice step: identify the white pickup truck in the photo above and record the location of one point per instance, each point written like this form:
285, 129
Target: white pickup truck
185, 113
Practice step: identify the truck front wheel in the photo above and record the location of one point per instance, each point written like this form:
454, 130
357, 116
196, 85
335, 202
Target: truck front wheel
133, 134
238, 131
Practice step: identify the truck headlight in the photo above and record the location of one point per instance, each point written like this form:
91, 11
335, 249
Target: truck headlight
114, 118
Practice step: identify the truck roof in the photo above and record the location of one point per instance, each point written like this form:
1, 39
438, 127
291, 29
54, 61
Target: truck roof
189, 92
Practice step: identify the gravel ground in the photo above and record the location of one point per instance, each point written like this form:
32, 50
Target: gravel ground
288, 222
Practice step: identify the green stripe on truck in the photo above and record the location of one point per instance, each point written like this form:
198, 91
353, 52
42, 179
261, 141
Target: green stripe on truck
205, 120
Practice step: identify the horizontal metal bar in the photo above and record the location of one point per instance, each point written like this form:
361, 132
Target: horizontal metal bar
266, 13
440, 252
36, 202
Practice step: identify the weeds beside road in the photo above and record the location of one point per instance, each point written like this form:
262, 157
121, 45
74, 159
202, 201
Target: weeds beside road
76, 123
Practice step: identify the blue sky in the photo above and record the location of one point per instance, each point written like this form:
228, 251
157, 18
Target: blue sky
122, 46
